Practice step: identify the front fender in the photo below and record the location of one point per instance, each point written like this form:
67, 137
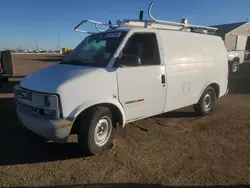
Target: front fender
73, 115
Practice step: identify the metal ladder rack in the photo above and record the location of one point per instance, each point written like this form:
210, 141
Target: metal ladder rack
153, 23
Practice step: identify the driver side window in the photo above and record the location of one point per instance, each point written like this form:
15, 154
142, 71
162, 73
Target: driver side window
145, 46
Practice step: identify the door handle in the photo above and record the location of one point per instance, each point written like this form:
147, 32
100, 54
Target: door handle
163, 79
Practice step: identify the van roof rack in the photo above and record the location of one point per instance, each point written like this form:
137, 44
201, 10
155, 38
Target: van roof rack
153, 23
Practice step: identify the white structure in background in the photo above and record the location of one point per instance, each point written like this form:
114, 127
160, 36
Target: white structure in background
134, 70
237, 41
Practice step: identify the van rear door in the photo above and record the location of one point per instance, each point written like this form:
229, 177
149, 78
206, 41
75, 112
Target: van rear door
142, 88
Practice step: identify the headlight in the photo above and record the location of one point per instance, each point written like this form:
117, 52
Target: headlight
39, 103
48, 104
51, 101
44, 101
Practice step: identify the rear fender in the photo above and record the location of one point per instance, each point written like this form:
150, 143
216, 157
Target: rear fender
205, 86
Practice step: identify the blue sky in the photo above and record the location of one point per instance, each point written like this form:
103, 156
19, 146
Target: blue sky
23, 22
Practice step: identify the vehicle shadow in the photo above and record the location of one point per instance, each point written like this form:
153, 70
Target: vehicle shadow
177, 114
239, 82
21, 146
135, 185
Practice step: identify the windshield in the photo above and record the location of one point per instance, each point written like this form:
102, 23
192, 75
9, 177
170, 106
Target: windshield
95, 50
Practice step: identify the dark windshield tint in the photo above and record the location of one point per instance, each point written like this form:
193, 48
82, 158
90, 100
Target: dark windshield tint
95, 50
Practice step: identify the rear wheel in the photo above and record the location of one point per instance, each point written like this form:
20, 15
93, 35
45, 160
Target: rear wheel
206, 103
235, 66
96, 130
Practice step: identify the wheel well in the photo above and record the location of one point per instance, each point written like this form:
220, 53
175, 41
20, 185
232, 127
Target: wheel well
216, 88
117, 116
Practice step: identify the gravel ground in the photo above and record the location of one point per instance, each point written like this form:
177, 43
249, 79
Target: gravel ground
173, 149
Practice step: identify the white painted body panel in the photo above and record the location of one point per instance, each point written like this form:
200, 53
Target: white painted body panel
76, 85
143, 82
193, 61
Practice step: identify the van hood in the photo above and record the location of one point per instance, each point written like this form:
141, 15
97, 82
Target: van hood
74, 84
50, 79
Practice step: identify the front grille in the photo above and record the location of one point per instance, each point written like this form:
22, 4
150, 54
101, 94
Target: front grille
27, 109
24, 95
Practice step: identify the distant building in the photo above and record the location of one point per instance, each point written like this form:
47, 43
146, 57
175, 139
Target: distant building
235, 35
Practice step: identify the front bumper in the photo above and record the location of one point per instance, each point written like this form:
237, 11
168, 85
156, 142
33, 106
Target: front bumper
54, 130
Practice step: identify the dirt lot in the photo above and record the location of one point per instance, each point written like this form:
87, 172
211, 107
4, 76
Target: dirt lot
174, 149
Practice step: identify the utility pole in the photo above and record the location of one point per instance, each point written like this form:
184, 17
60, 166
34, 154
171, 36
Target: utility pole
37, 45
58, 37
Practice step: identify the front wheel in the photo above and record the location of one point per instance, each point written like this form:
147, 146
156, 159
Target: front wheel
206, 103
96, 130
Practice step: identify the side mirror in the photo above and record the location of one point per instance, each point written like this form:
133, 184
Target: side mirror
128, 60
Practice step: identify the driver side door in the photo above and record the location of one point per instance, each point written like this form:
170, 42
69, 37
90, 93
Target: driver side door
142, 88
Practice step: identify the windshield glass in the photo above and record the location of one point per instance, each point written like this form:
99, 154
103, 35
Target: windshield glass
95, 50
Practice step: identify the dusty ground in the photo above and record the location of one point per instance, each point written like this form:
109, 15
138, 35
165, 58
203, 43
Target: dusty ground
173, 149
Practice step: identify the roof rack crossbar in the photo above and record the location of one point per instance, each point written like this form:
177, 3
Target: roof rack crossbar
213, 29
153, 23
96, 26
98, 29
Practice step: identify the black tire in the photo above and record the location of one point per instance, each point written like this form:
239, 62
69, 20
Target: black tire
234, 66
87, 136
204, 107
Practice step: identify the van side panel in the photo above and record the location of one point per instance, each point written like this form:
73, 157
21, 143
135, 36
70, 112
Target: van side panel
193, 61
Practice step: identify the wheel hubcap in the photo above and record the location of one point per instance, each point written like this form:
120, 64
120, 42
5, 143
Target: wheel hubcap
207, 101
102, 131
235, 67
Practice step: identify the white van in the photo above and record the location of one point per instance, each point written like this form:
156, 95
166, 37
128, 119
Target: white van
123, 75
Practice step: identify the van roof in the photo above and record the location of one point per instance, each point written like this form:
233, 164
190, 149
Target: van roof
152, 29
